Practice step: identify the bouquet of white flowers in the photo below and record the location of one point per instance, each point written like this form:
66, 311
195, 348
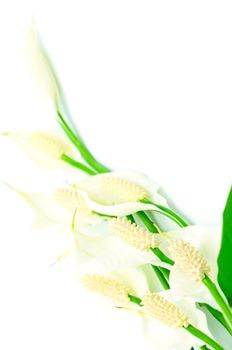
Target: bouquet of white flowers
129, 245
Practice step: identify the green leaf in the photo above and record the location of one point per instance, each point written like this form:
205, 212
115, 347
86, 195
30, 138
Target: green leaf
215, 313
225, 254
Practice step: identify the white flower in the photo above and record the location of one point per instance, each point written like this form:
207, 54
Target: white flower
119, 193
206, 240
43, 147
94, 245
137, 281
107, 287
40, 63
163, 337
110, 252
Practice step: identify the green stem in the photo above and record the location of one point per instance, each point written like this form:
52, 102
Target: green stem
150, 226
85, 153
219, 299
135, 299
161, 277
165, 272
130, 217
78, 165
162, 256
167, 212
204, 337
161, 273
147, 222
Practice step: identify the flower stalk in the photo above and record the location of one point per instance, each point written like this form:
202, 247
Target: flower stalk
135, 300
169, 314
191, 261
168, 213
85, 153
77, 164
204, 337
162, 275
219, 300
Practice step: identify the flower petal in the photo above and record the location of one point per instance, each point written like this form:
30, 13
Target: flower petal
207, 241
112, 253
91, 186
162, 337
117, 209
45, 148
139, 280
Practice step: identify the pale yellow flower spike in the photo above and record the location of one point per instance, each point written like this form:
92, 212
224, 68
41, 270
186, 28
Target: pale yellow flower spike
164, 311
48, 145
133, 234
123, 190
108, 288
72, 200
189, 259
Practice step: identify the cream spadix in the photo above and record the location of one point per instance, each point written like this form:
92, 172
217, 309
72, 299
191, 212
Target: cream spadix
50, 146
133, 234
165, 311
189, 259
107, 287
72, 200
122, 189
121, 186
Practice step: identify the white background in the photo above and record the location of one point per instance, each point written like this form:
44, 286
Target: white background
149, 85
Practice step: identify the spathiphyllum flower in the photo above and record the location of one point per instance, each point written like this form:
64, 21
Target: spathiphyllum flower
42, 147
164, 310
194, 249
122, 190
93, 240
72, 200
189, 259
165, 320
105, 230
119, 193
58, 207
107, 287
39, 62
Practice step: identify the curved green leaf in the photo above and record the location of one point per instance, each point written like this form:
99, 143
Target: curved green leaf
225, 254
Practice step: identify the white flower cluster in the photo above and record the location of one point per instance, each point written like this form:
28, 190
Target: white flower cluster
120, 247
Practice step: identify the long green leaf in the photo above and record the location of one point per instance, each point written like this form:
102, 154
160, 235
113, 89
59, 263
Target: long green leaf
216, 314
225, 254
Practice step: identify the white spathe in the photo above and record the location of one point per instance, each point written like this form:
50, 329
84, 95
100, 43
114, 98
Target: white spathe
93, 243
207, 240
162, 337
109, 253
43, 147
105, 203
